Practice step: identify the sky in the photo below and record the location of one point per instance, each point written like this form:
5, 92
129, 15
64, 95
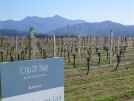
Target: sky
121, 11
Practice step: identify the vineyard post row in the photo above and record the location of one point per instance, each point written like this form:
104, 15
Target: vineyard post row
75, 49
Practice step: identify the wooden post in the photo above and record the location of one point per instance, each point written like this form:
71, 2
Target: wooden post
111, 47
16, 47
54, 45
79, 48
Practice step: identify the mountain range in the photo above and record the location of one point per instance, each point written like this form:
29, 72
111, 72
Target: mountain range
62, 26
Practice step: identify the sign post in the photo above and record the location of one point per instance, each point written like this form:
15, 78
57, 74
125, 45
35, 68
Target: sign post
33, 80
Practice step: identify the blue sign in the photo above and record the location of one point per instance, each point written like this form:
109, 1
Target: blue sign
33, 77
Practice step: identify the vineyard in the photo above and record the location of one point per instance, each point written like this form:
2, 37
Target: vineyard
97, 68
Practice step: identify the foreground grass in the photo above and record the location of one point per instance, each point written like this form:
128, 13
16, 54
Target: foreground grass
100, 85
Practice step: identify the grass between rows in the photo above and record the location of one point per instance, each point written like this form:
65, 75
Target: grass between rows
100, 85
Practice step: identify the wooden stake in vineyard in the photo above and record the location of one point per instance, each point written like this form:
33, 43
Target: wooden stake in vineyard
29, 44
79, 48
111, 47
118, 55
54, 45
89, 52
16, 46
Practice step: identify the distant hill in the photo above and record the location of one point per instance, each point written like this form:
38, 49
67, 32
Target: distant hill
43, 25
100, 28
62, 26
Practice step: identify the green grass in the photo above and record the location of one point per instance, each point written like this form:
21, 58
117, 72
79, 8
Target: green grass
100, 85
